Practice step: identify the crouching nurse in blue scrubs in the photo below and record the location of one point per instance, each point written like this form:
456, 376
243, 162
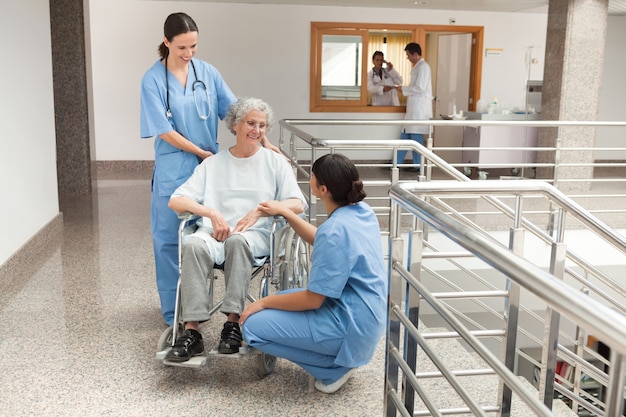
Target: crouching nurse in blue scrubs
181, 101
333, 326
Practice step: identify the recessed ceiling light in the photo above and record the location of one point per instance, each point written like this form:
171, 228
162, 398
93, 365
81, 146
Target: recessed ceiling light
420, 3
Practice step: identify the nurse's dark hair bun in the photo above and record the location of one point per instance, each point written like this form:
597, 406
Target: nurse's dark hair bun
339, 174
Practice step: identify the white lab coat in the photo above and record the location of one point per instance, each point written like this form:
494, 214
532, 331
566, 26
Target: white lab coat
419, 93
375, 87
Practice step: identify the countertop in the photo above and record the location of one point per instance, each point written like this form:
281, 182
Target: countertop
512, 117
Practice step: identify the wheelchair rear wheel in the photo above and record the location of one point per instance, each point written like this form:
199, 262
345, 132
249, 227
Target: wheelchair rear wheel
294, 272
265, 364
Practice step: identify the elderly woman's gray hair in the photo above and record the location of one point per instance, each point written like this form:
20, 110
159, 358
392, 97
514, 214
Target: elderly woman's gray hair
240, 109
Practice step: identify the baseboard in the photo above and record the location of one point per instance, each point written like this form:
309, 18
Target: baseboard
135, 165
124, 169
31, 254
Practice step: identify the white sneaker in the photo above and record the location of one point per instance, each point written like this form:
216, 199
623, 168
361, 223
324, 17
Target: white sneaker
334, 386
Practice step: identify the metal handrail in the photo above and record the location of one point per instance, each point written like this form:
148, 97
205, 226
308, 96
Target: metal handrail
604, 322
522, 187
515, 266
291, 123
462, 182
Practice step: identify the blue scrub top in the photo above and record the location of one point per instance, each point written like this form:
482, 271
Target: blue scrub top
172, 165
349, 269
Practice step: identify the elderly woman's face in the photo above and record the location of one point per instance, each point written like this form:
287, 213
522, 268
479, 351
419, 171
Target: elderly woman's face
252, 127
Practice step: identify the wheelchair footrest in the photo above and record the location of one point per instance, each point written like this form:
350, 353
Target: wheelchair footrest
198, 361
244, 351
194, 362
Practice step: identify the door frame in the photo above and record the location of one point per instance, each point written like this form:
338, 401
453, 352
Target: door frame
476, 62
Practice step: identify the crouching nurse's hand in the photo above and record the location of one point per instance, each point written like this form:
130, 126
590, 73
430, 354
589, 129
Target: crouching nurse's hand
250, 310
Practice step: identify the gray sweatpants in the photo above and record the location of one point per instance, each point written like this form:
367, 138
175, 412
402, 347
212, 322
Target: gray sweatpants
196, 267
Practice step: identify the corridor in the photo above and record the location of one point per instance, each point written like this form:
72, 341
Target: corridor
80, 331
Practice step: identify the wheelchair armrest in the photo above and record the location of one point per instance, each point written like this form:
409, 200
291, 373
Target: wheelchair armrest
187, 215
187, 224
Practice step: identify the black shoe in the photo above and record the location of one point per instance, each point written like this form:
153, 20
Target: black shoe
188, 345
231, 338
411, 169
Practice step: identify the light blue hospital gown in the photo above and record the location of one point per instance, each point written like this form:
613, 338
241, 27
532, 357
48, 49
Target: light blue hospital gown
172, 165
264, 176
348, 268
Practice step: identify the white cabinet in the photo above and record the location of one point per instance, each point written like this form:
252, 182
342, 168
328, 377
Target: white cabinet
497, 144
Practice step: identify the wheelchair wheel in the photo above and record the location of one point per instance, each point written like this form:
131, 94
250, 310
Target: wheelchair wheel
265, 364
166, 341
294, 272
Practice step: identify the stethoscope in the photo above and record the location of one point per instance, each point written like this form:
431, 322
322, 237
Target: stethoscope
383, 72
194, 87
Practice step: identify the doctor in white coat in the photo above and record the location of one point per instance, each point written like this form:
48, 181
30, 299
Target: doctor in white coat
382, 82
419, 104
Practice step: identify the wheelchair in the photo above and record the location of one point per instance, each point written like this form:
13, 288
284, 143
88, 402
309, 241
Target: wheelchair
286, 266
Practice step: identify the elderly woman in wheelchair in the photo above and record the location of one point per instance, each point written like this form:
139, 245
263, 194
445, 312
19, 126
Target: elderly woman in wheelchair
225, 190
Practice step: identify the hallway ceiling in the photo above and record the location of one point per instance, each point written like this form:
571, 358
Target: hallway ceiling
616, 7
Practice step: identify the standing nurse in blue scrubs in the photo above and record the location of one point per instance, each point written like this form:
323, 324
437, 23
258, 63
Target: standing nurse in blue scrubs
333, 326
181, 101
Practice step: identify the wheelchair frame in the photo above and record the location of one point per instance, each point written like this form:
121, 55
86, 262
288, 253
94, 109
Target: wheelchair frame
287, 266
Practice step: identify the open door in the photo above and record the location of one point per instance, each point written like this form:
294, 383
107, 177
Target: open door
450, 59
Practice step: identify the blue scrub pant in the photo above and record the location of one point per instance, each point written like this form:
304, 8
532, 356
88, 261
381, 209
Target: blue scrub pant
287, 334
164, 222
417, 137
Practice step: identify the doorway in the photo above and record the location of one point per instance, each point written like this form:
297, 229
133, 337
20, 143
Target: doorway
455, 57
450, 64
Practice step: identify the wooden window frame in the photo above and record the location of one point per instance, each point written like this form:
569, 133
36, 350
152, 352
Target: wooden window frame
318, 29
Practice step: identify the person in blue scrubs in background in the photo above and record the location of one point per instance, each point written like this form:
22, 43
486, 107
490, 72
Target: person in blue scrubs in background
181, 101
333, 326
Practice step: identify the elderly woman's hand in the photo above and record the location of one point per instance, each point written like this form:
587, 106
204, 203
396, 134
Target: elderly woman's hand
221, 229
247, 221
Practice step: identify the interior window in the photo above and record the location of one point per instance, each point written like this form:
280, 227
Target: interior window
341, 57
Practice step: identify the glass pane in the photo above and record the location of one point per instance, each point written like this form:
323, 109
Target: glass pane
392, 45
341, 67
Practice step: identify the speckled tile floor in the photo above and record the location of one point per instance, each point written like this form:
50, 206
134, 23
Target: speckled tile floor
80, 331
80, 328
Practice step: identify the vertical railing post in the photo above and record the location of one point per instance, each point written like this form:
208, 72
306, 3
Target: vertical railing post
553, 318
511, 311
412, 312
615, 388
580, 351
312, 198
557, 159
396, 250
426, 175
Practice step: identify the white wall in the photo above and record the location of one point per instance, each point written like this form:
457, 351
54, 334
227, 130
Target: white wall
613, 90
28, 178
263, 51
